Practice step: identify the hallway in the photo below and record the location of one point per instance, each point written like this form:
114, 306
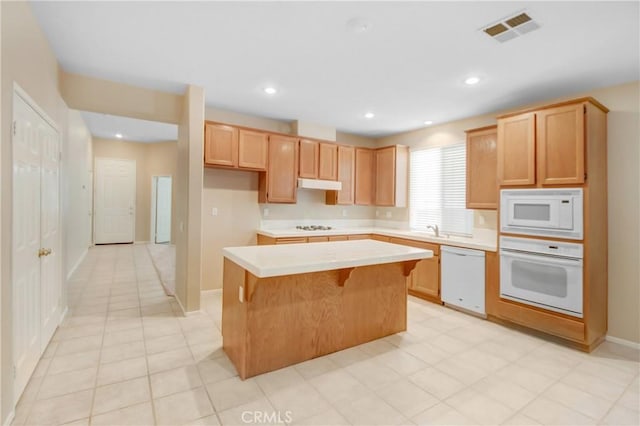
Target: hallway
123, 341
126, 356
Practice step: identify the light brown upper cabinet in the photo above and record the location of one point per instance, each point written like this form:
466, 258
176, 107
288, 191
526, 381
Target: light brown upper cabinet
220, 145
279, 183
560, 144
516, 150
482, 163
346, 175
318, 160
328, 168
230, 147
365, 178
546, 146
252, 150
309, 159
392, 175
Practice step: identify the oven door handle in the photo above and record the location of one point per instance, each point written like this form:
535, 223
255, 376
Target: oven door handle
541, 257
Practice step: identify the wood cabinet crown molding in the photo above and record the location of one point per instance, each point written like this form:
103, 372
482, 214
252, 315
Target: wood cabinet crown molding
588, 99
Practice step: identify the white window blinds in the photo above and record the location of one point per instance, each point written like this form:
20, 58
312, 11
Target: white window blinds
437, 189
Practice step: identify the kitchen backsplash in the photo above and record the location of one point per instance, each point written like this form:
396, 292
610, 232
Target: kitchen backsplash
311, 205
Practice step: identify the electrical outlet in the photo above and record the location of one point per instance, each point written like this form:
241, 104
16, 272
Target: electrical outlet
214, 211
344, 213
265, 212
388, 215
377, 213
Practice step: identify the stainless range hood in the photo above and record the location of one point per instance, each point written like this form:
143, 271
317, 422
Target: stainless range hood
319, 184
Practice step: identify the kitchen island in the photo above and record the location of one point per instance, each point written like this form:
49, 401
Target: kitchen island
286, 304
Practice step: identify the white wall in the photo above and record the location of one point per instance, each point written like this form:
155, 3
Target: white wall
76, 190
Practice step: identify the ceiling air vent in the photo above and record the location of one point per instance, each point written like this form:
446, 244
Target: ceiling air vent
511, 27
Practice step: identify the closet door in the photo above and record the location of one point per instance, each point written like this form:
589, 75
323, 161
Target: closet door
36, 260
26, 252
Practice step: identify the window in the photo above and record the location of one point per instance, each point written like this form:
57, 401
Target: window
437, 189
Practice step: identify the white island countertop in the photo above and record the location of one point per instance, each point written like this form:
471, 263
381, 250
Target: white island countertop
275, 260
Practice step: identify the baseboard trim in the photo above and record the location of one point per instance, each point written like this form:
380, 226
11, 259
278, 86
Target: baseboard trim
10, 417
78, 262
623, 342
141, 242
184, 312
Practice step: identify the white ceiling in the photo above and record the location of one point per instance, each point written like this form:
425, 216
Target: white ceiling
132, 129
407, 68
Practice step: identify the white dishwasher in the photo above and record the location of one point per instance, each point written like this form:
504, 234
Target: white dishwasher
462, 278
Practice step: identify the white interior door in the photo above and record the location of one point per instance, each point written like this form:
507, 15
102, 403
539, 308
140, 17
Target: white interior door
114, 200
50, 281
163, 209
35, 271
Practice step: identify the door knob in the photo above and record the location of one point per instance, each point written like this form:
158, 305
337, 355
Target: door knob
44, 252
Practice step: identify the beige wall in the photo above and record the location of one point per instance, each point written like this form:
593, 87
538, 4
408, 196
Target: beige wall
624, 186
188, 190
77, 191
152, 159
28, 60
92, 94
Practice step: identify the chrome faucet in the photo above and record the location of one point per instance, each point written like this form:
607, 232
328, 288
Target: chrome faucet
435, 228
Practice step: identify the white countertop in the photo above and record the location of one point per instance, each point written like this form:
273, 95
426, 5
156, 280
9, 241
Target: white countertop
486, 243
275, 260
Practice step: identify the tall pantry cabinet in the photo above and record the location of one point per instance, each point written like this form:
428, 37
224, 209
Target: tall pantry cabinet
559, 146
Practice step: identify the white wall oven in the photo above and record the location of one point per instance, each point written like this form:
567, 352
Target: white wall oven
547, 274
542, 212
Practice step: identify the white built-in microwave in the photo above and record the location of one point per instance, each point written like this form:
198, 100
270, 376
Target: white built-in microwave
554, 212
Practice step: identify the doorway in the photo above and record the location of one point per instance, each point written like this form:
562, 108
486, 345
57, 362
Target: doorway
114, 200
36, 240
161, 209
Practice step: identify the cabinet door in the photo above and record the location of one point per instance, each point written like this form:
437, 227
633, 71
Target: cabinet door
482, 164
282, 172
364, 177
317, 239
309, 159
425, 278
385, 167
252, 150
346, 175
328, 168
516, 150
560, 144
220, 145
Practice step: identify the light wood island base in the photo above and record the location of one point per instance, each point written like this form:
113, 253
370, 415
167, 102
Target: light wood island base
270, 323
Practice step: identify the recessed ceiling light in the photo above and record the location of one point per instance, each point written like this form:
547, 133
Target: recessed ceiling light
428, 122
270, 90
369, 115
472, 80
119, 135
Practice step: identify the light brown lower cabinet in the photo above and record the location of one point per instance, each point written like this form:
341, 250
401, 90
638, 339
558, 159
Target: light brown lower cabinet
424, 280
316, 239
264, 240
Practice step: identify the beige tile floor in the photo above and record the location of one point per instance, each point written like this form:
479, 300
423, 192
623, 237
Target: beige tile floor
125, 356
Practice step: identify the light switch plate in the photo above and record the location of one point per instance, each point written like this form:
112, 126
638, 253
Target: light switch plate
214, 211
